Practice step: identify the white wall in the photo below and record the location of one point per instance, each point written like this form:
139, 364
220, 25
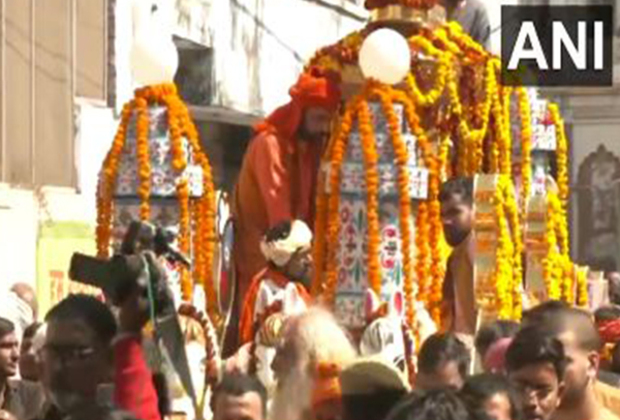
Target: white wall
260, 45
21, 213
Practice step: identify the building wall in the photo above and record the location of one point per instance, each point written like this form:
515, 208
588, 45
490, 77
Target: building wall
52, 53
260, 45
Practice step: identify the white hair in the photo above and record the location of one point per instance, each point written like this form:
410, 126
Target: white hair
317, 337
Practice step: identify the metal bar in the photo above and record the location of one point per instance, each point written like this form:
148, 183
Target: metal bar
73, 84
3, 91
33, 93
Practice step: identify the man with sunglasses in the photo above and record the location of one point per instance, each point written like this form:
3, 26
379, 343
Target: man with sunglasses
77, 360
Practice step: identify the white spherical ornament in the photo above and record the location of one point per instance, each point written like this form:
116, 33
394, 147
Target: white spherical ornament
154, 60
154, 57
385, 56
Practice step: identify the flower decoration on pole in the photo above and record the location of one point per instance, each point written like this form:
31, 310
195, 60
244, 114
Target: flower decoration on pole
403, 130
157, 154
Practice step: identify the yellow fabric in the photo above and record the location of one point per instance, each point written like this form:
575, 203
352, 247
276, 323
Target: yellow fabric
609, 397
459, 300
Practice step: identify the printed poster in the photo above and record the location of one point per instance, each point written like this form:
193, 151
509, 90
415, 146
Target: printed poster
56, 244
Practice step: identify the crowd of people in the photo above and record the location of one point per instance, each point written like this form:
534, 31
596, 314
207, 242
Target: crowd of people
82, 363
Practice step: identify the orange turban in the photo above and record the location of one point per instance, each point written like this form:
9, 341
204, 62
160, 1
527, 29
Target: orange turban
311, 90
326, 384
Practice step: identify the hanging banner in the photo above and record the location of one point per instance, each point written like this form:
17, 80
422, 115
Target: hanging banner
56, 244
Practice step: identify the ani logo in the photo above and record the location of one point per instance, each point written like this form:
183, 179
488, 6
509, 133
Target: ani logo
557, 45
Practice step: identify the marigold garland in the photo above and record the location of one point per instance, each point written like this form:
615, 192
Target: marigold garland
477, 116
514, 223
561, 151
402, 160
180, 127
502, 290
415, 4
144, 160
443, 64
367, 137
554, 272
107, 184
525, 116
437, 270
337, 153
582, 286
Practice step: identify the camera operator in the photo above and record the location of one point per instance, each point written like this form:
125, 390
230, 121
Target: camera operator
135, 282
135, 390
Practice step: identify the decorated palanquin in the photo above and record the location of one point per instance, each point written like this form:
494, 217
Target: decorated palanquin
378, 221
157, 171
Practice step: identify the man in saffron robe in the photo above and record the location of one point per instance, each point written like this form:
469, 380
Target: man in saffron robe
278, 177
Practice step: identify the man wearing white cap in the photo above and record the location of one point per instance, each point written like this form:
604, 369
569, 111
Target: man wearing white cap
286, 247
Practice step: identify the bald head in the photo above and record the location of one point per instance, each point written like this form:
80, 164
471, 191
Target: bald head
27, 293
559, 319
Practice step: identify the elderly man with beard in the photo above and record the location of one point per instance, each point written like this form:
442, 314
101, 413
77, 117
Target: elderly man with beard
286, 247
312, 352
584, 398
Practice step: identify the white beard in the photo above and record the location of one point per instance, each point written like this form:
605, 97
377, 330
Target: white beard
293, 396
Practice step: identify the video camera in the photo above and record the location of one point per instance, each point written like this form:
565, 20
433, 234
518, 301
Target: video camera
136, 266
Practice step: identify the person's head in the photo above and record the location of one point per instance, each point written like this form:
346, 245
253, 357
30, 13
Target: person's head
582, 344
443, 363
371, 388
27, 293
9, 349
613, 280
536, 366
239, 397
615, 359
316, 124
492, 332
457, 214
287, 247
308, 339
327, 392
491, 394
450, 4
606, 313
433, 405
77, 355
28, 359
315, 98
539, 314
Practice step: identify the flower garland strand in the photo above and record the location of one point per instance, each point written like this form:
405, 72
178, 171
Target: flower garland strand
402, 160
367, 136
562, 152
437, 269
516, 234
202, 214
338, 152
525, 116
107, 183
144, 160
553, 272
